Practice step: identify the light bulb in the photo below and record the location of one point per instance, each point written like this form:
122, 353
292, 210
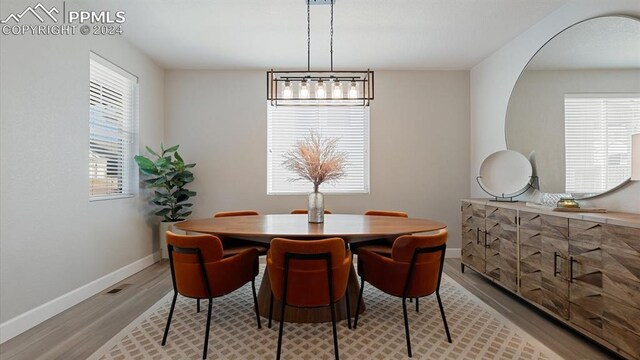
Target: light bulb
353, 90
287, 93
321, 91
336, 91
303, 92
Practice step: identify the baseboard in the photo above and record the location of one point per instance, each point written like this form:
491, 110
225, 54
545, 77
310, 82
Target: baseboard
33, 317
452, 253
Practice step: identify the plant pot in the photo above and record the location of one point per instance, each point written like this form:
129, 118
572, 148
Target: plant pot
164, 227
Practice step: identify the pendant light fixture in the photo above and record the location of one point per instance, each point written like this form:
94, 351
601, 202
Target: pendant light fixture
321, 90
294, 87
287, 92
304, 92
353, 89
336, 89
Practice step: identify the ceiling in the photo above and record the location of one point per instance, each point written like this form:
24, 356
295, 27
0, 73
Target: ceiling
379, 34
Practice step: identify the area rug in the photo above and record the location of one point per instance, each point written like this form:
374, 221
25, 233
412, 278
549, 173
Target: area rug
477, 331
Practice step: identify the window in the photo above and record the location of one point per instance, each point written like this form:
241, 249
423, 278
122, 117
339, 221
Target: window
288, 124
112, 125
598, 129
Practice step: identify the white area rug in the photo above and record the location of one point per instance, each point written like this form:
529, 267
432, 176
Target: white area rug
477, 331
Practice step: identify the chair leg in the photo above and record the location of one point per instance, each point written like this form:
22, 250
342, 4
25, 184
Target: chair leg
206, 331
270, 309
462, 268
417, 304
166, 329
410, 300
197, 305
406, 325
255, 302
444, 318
346, 294
281, 328
332, 306
355, 321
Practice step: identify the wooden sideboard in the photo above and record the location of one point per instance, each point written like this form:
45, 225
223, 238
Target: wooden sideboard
581, 268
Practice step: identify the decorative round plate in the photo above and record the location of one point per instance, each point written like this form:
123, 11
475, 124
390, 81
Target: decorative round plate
505, 172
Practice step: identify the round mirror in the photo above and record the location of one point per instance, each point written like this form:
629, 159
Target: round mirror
505, 173
575, 106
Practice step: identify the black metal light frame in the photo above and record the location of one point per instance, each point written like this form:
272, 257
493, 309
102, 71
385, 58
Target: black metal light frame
277, 78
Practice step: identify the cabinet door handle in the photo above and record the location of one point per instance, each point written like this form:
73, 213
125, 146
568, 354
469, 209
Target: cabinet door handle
555, 263
485, 239
571, 261
477, 235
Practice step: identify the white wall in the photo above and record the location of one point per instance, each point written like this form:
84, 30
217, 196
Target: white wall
493, 79
419, 143
53, 240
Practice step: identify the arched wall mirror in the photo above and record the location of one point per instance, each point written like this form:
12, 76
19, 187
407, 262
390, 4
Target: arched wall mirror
575, 106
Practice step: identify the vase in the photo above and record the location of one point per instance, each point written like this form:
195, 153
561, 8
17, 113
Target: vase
315, 210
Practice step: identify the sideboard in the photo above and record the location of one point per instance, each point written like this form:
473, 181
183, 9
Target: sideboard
581, 268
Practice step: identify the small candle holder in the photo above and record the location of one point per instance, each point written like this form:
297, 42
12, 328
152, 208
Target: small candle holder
568, 203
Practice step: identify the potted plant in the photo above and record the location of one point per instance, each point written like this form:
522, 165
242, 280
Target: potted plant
168, 175
317, 160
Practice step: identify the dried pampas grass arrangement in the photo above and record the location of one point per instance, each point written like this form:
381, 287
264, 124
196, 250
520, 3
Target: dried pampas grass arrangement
316, 159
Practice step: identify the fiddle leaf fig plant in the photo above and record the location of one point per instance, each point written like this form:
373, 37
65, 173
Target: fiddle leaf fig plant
168, 175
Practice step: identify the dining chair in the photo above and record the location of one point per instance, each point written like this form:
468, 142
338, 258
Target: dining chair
305, 211
235, 213
235, 246
386, 213
414, 270
380, 246
198, 270
308, 274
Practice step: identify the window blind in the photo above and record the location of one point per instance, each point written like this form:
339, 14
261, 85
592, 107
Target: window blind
112, 127
598, 129
286, 125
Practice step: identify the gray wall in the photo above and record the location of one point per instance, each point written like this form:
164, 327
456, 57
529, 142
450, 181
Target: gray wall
419, 143
52, 239
493, 79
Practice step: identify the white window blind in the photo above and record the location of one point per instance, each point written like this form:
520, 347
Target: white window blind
112, 129
598, 129
289, 124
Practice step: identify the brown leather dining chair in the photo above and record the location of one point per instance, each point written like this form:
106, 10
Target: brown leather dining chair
236, 246
305, 211
413, 271
380, 246
308, 274
198, 270
235, 213
386, 213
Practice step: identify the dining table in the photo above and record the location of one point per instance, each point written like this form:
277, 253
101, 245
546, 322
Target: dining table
351, 228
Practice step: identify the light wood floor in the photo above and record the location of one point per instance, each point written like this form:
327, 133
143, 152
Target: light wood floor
79, 331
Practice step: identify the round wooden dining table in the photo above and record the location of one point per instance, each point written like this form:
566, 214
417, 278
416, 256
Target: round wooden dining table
351, 228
